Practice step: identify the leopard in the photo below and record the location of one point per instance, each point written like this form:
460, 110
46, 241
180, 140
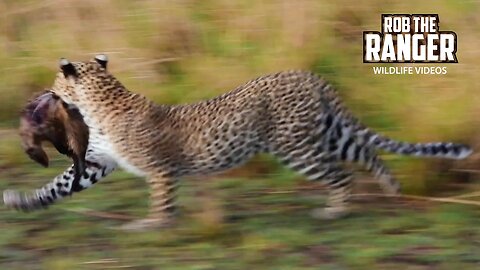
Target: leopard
296, 116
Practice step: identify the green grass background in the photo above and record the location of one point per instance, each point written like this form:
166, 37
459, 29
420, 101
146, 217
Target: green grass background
257, 216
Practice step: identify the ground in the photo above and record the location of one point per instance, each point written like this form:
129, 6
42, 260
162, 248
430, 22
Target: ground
230, 222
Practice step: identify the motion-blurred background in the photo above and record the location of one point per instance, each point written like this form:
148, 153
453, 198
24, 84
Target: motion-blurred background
255, 217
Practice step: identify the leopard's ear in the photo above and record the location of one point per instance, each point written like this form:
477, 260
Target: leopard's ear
67, 68
102, 59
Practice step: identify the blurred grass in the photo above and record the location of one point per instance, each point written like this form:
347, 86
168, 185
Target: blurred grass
184, 51
257, 223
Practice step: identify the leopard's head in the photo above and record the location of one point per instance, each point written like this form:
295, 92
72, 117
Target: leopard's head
78, 78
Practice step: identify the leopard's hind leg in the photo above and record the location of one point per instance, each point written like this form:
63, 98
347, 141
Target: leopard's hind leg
350, 146
339, 184
367, 156
318, 165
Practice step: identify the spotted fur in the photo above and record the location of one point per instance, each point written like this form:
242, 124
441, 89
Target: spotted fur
294, 115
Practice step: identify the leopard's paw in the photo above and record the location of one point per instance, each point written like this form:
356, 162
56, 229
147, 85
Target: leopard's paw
330, 213
146, 224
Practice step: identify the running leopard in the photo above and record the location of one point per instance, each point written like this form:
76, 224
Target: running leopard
294, 115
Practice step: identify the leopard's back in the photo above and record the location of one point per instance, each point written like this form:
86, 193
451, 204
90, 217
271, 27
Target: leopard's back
225, 131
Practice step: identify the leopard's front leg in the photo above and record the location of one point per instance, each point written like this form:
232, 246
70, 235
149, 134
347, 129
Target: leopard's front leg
97, 167
162, 205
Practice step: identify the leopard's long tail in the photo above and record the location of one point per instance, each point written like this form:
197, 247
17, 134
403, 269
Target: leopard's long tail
345, 121
375, 164
433, 149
